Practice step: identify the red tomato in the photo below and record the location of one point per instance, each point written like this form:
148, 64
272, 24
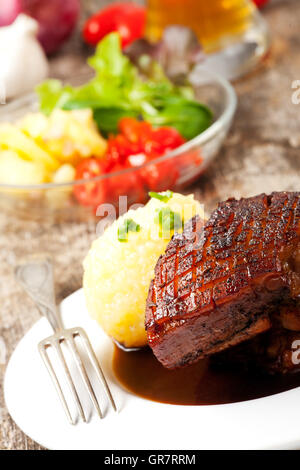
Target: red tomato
92, 193
137, 132
149, 140
167, 138
160, 176
260, 3
127, 184
143, 144
119, 149
128, 19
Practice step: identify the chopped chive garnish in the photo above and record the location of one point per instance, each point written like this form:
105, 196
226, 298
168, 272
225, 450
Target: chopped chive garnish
129, 225
167, 219
164, 197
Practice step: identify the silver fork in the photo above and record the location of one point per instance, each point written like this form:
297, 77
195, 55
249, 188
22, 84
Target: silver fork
36, 276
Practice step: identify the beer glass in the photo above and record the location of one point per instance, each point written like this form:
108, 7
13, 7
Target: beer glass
227, 29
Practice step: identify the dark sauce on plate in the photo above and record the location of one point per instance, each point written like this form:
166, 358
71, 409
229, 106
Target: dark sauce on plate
199, 384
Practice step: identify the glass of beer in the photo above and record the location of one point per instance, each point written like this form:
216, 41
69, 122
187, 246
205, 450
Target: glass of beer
221, 25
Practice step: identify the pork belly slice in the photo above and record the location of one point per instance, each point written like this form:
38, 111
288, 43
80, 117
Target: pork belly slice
275, 352
218, 286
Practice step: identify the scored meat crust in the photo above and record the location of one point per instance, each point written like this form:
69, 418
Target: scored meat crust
219, 285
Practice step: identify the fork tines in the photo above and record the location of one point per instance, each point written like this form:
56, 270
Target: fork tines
67, 338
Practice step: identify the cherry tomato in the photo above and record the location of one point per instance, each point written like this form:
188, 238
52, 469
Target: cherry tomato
139, 143
128, 19
119, 149
168, 137
137, 132
160, 176
260, 3
127, 184
149, 140
92, 193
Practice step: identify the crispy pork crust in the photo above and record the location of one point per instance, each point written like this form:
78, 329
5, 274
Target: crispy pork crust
216, 286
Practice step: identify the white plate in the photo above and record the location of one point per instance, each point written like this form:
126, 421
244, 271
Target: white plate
271, 422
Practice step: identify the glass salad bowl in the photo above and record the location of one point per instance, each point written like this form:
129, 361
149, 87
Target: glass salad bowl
175, 170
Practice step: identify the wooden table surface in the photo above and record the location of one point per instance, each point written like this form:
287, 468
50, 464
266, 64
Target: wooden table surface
262, 153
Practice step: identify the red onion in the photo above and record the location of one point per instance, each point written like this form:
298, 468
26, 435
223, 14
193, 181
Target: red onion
9, 10
56, 18
260, 3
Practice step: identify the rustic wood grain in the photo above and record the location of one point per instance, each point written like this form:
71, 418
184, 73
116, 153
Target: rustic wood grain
261, 154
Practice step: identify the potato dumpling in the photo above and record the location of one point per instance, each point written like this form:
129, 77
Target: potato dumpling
117, 273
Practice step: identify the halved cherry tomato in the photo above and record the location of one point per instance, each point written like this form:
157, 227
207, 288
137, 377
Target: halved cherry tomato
137, 144
148, 140
92, 193
128, 19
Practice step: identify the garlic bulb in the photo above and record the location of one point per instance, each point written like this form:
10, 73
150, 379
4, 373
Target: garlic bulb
23, 62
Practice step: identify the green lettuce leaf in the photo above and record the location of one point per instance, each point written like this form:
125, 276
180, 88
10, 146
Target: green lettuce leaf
188, 117
118, 90
108, 119
52, 95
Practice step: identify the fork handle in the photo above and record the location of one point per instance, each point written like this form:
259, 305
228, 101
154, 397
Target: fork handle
35, 274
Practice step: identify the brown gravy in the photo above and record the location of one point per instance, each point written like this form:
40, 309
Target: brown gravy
200, 384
